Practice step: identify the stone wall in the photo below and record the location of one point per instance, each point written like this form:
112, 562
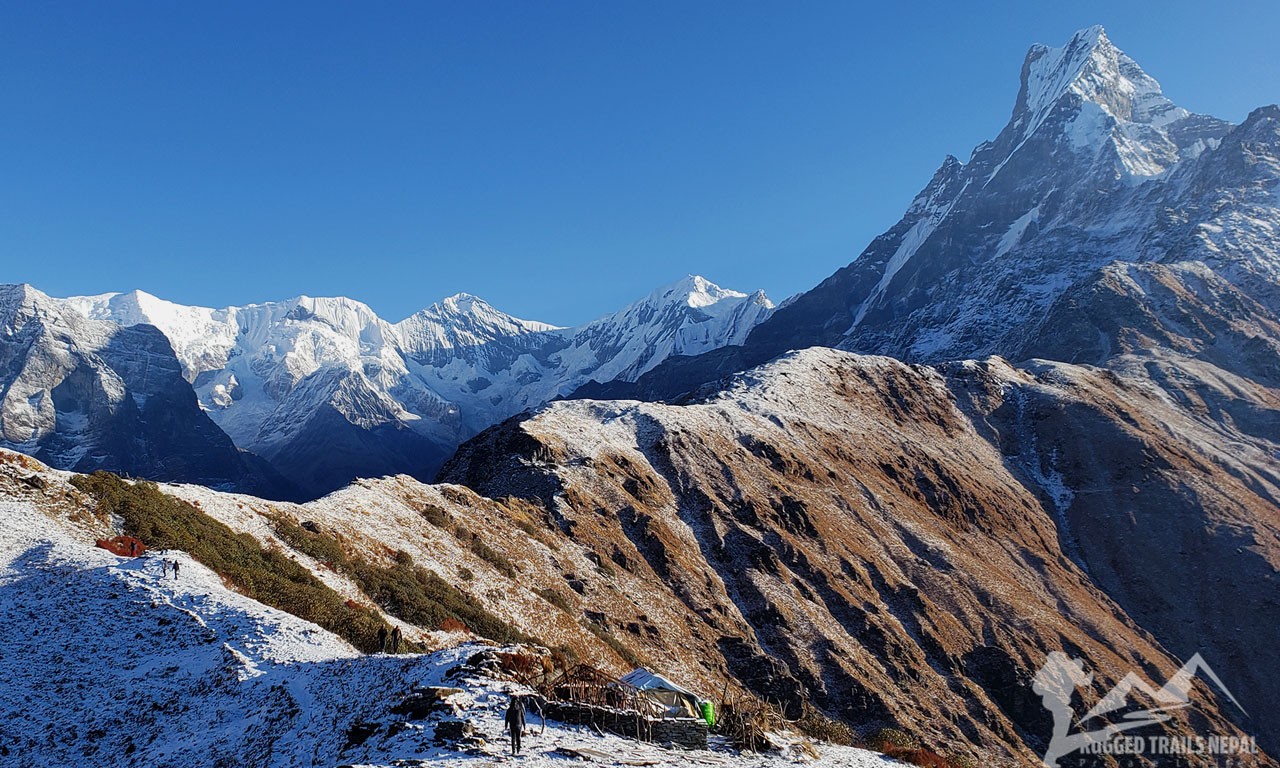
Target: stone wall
689, 733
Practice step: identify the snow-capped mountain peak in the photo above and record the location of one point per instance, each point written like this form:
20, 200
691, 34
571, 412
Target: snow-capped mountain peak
467, 327
1093, 70
462, 320
693, 291
1095, 165
1090, 94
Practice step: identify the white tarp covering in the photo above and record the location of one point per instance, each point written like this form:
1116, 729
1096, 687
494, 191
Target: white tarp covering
678, 700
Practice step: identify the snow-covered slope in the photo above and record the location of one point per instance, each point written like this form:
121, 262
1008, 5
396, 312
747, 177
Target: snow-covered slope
279, 375
113, 661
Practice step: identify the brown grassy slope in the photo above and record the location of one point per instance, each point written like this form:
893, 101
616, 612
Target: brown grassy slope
838, 529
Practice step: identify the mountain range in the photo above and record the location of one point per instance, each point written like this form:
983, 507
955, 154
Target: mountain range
325, 391
1039, 414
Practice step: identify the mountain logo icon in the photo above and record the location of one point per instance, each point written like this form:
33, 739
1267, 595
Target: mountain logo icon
1060, 675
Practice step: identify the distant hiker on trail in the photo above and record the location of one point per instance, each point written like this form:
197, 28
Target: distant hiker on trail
164, 569
515, 723
175, 569
133, 549
395, 640
382, 639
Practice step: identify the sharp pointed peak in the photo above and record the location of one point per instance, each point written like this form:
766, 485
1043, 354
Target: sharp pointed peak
1089, 68
1085, 38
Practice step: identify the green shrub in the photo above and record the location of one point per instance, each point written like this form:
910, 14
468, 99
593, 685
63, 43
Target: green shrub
317, 546
617, 645
414, 594
816, 725
891, 737
557, 599
492, 557
269, 576
436, 516
423, 598
264, 574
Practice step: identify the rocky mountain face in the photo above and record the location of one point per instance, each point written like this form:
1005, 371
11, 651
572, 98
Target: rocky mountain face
87, 395
904, 545
1097, 191
327, 391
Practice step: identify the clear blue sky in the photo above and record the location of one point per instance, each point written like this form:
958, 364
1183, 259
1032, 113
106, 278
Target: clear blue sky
557, 158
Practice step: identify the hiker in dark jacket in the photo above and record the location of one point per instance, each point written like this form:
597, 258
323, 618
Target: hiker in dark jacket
382, 639
395, 640
515, 723
175, 569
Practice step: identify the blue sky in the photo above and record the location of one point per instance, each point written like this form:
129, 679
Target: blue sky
557, 158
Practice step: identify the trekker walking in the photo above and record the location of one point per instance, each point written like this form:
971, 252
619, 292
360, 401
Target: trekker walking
395, 640
382, 639
164, 569
175, 569
515, 723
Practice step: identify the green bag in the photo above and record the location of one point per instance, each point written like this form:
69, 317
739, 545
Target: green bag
709, 712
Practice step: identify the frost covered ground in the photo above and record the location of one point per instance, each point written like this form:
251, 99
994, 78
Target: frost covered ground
110, 661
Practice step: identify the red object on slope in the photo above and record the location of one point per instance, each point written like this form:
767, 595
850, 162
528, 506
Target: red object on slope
125, 546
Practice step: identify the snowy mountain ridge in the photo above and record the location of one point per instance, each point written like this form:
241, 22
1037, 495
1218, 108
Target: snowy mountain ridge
269, 373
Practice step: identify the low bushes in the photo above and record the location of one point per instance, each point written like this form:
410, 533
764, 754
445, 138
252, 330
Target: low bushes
611, 640
267, 575
900, 746
483, 551
557, 599
403, 589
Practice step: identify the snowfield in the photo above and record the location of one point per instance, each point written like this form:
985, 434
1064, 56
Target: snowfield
111, 661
